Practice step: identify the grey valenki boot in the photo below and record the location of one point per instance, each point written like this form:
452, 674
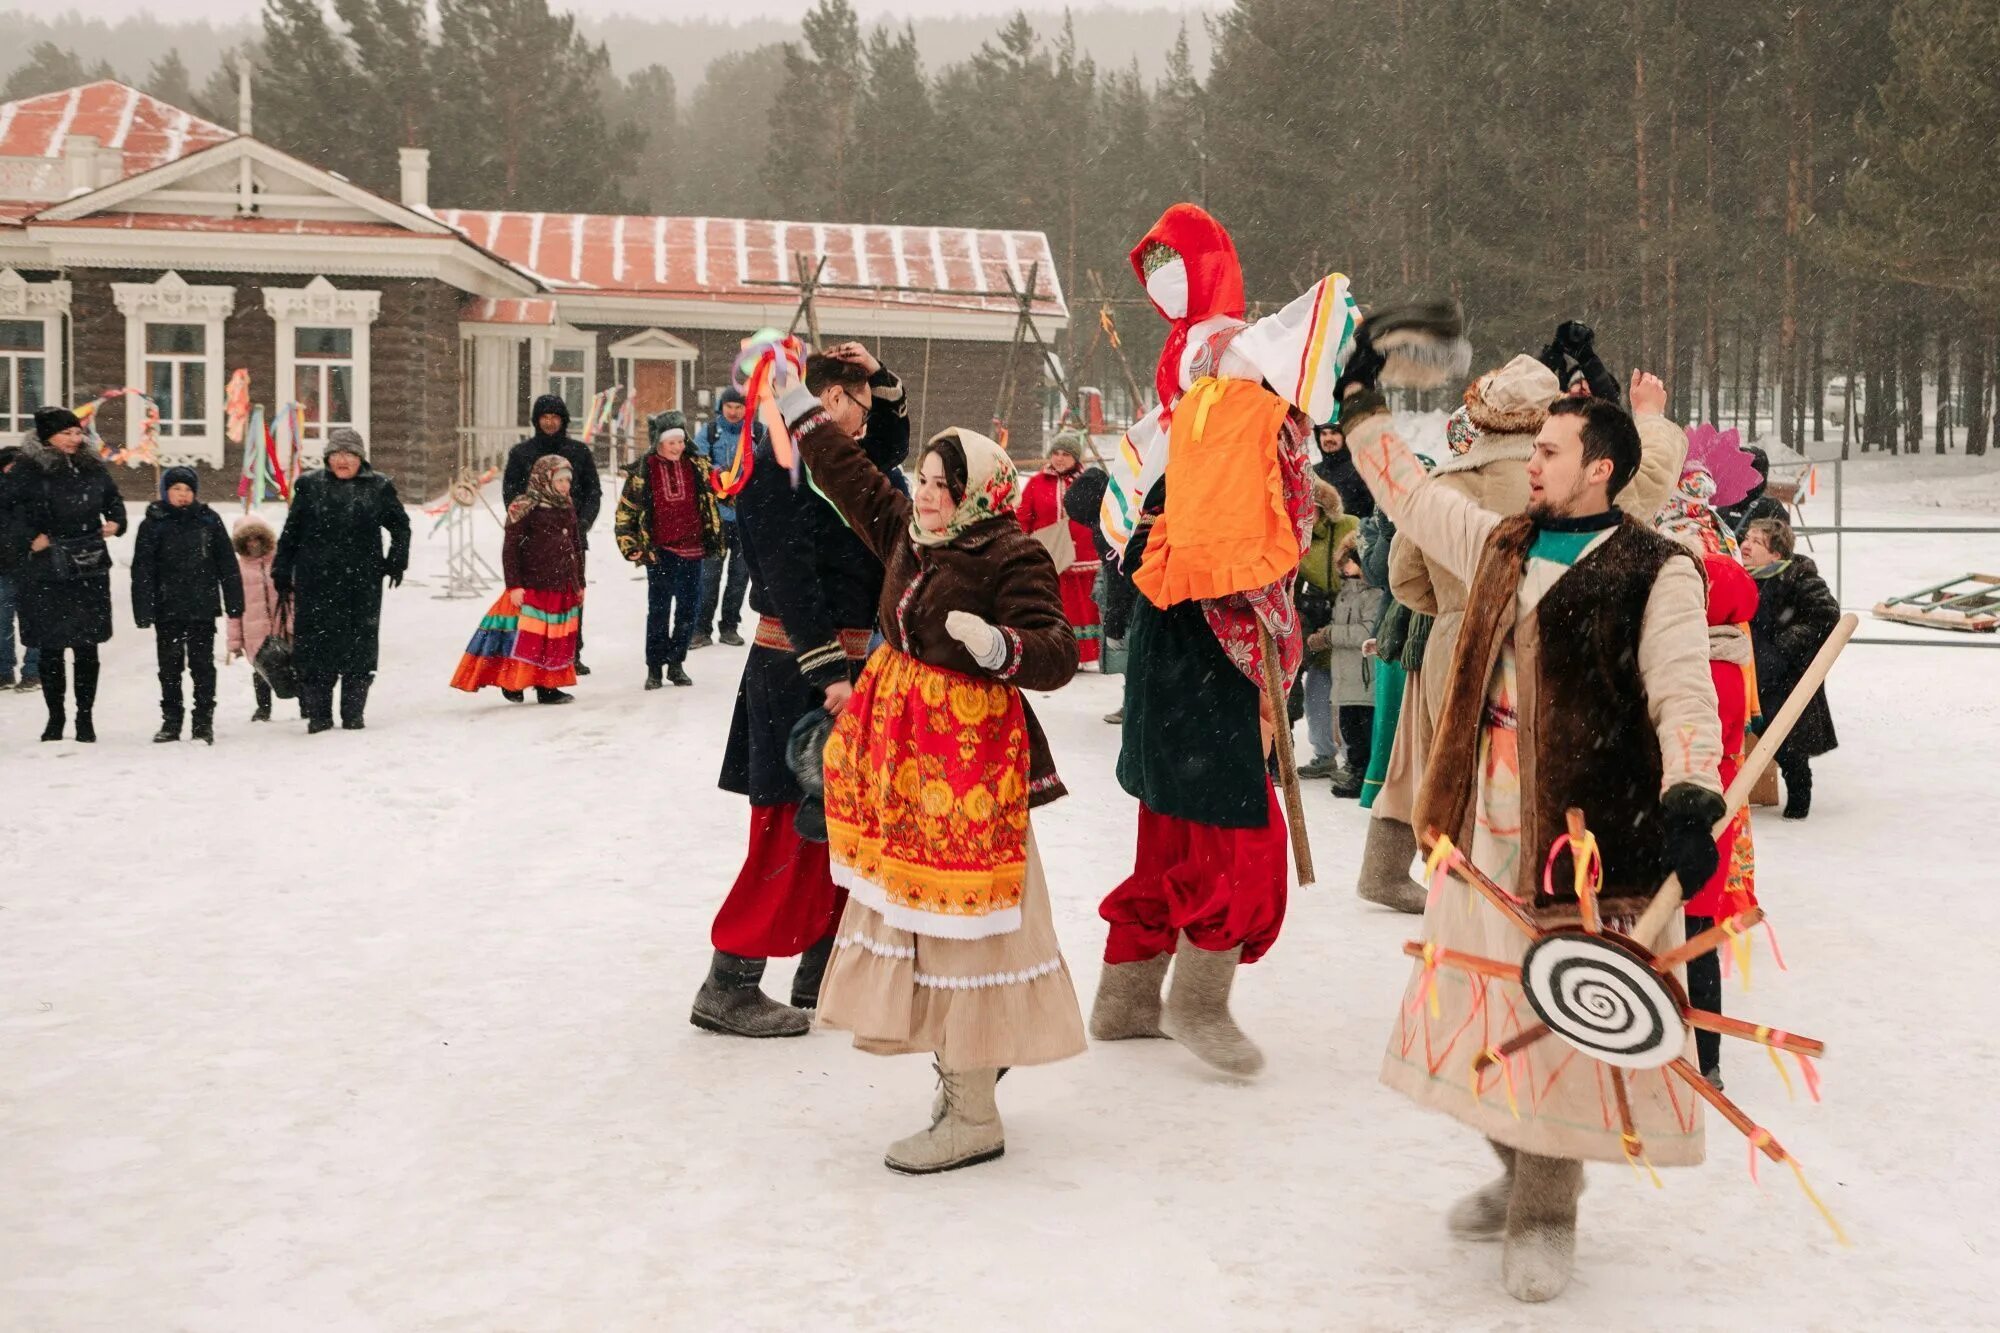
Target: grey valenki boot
1128, 1000
1541, 1227
1197, 1012
967, 1133
730, 1002
1482, 1214
1385, 867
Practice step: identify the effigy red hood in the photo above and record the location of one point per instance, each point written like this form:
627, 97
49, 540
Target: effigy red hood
1214, 278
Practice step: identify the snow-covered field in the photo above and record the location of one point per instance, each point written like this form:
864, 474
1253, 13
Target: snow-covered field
389, 1031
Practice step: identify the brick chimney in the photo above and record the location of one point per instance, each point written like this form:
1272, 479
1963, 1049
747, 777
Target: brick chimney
416, 164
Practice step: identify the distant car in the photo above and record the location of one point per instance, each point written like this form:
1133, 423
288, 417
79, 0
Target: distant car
1836, 401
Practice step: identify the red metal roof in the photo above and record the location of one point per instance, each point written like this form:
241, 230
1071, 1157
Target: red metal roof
146, 130
727, 259
526, 311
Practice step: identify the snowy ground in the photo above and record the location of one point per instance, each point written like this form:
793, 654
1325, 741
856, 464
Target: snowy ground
388, 1031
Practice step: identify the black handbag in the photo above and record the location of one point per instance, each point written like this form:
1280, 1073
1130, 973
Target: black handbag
73, 558
274, 655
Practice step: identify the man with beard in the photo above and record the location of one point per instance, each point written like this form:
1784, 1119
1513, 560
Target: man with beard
1579, 679
814, 587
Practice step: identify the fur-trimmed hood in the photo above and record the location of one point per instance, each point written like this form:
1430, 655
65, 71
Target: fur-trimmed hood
1486, 449
1514, 399
251, 528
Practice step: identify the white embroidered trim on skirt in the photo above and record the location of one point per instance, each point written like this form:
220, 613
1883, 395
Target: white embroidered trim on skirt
1019, 978
875, 946
937, 925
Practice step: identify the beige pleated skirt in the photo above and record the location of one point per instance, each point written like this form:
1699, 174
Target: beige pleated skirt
997, 1002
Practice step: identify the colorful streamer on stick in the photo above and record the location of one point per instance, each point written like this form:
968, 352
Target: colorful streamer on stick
755, 368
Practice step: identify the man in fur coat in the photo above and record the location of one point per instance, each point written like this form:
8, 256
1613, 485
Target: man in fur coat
814, 587
1578, 678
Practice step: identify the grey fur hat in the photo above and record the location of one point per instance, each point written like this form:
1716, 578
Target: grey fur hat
346, 440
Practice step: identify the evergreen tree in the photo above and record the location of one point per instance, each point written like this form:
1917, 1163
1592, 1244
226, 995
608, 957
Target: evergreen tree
392, 55
809, 165
903, 168
309, 94
644, 105
168, 80
725, 134
1924, 206
521, 122
49, 69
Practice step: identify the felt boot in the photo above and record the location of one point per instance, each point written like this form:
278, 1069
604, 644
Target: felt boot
1128, 1000
1541, 1227
966, 1134
730, 1002
1385, 867
1197, 1011
1482, 1214
812, 967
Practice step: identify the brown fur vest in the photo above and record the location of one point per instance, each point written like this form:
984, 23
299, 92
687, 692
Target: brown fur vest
1586, 737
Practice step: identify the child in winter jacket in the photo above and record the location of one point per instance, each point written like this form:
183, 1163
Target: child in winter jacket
1357, 609
255, 544
181, 560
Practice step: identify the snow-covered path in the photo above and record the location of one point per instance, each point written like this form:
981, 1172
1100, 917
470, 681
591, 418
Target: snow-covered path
389, 1031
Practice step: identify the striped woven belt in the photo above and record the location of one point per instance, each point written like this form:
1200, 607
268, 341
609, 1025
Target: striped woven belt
771, 634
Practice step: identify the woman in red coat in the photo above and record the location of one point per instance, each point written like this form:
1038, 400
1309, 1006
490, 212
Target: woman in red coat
528, 637
1068, 542
1732, 603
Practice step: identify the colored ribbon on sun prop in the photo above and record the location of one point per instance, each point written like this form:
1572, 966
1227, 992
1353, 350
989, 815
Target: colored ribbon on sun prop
147, 449
1635, 1156
236, 406
759, 363
1761, 1141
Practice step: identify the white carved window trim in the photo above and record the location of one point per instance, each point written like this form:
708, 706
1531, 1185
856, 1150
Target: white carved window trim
573, 340
172, 300
321, 305
45, 303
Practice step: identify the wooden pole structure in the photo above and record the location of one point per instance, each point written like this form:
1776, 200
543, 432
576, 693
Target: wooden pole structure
1666, 902
808, 285
1288, 768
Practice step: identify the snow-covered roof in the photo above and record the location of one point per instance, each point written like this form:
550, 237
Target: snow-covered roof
145, 131
739, 259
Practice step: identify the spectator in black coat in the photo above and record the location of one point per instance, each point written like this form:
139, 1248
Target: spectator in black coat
330, 559
73, 508
551, 418
1336, 468
1796, 612
181, 561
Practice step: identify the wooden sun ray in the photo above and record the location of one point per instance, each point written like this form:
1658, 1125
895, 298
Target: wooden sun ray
1620, 954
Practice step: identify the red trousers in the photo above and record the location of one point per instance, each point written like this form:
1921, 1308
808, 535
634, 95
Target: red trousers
1223, 886
784, 900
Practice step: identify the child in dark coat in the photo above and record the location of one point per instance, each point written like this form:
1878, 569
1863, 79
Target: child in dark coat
1796, 612
181, 562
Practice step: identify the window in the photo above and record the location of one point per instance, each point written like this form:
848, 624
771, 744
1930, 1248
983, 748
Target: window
323, 356
31, 348
24, 372
173, 353
323, 376
176, 377
569, 379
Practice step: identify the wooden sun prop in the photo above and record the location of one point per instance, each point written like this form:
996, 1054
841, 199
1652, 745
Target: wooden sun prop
1613, 999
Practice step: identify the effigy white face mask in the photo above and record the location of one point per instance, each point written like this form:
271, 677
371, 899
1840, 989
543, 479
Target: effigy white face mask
1168, 286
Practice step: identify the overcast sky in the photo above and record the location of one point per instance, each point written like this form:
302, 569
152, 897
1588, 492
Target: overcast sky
740, 9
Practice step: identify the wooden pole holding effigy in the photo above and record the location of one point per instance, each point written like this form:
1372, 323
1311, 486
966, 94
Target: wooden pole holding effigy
1288, 768
1653, 922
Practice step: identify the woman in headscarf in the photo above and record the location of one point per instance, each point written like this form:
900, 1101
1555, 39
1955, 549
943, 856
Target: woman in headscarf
528, 637
946, 944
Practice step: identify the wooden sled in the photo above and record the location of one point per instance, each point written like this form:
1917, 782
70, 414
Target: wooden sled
1969, 604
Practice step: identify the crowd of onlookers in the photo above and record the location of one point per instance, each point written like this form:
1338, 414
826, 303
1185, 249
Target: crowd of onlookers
319, 585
